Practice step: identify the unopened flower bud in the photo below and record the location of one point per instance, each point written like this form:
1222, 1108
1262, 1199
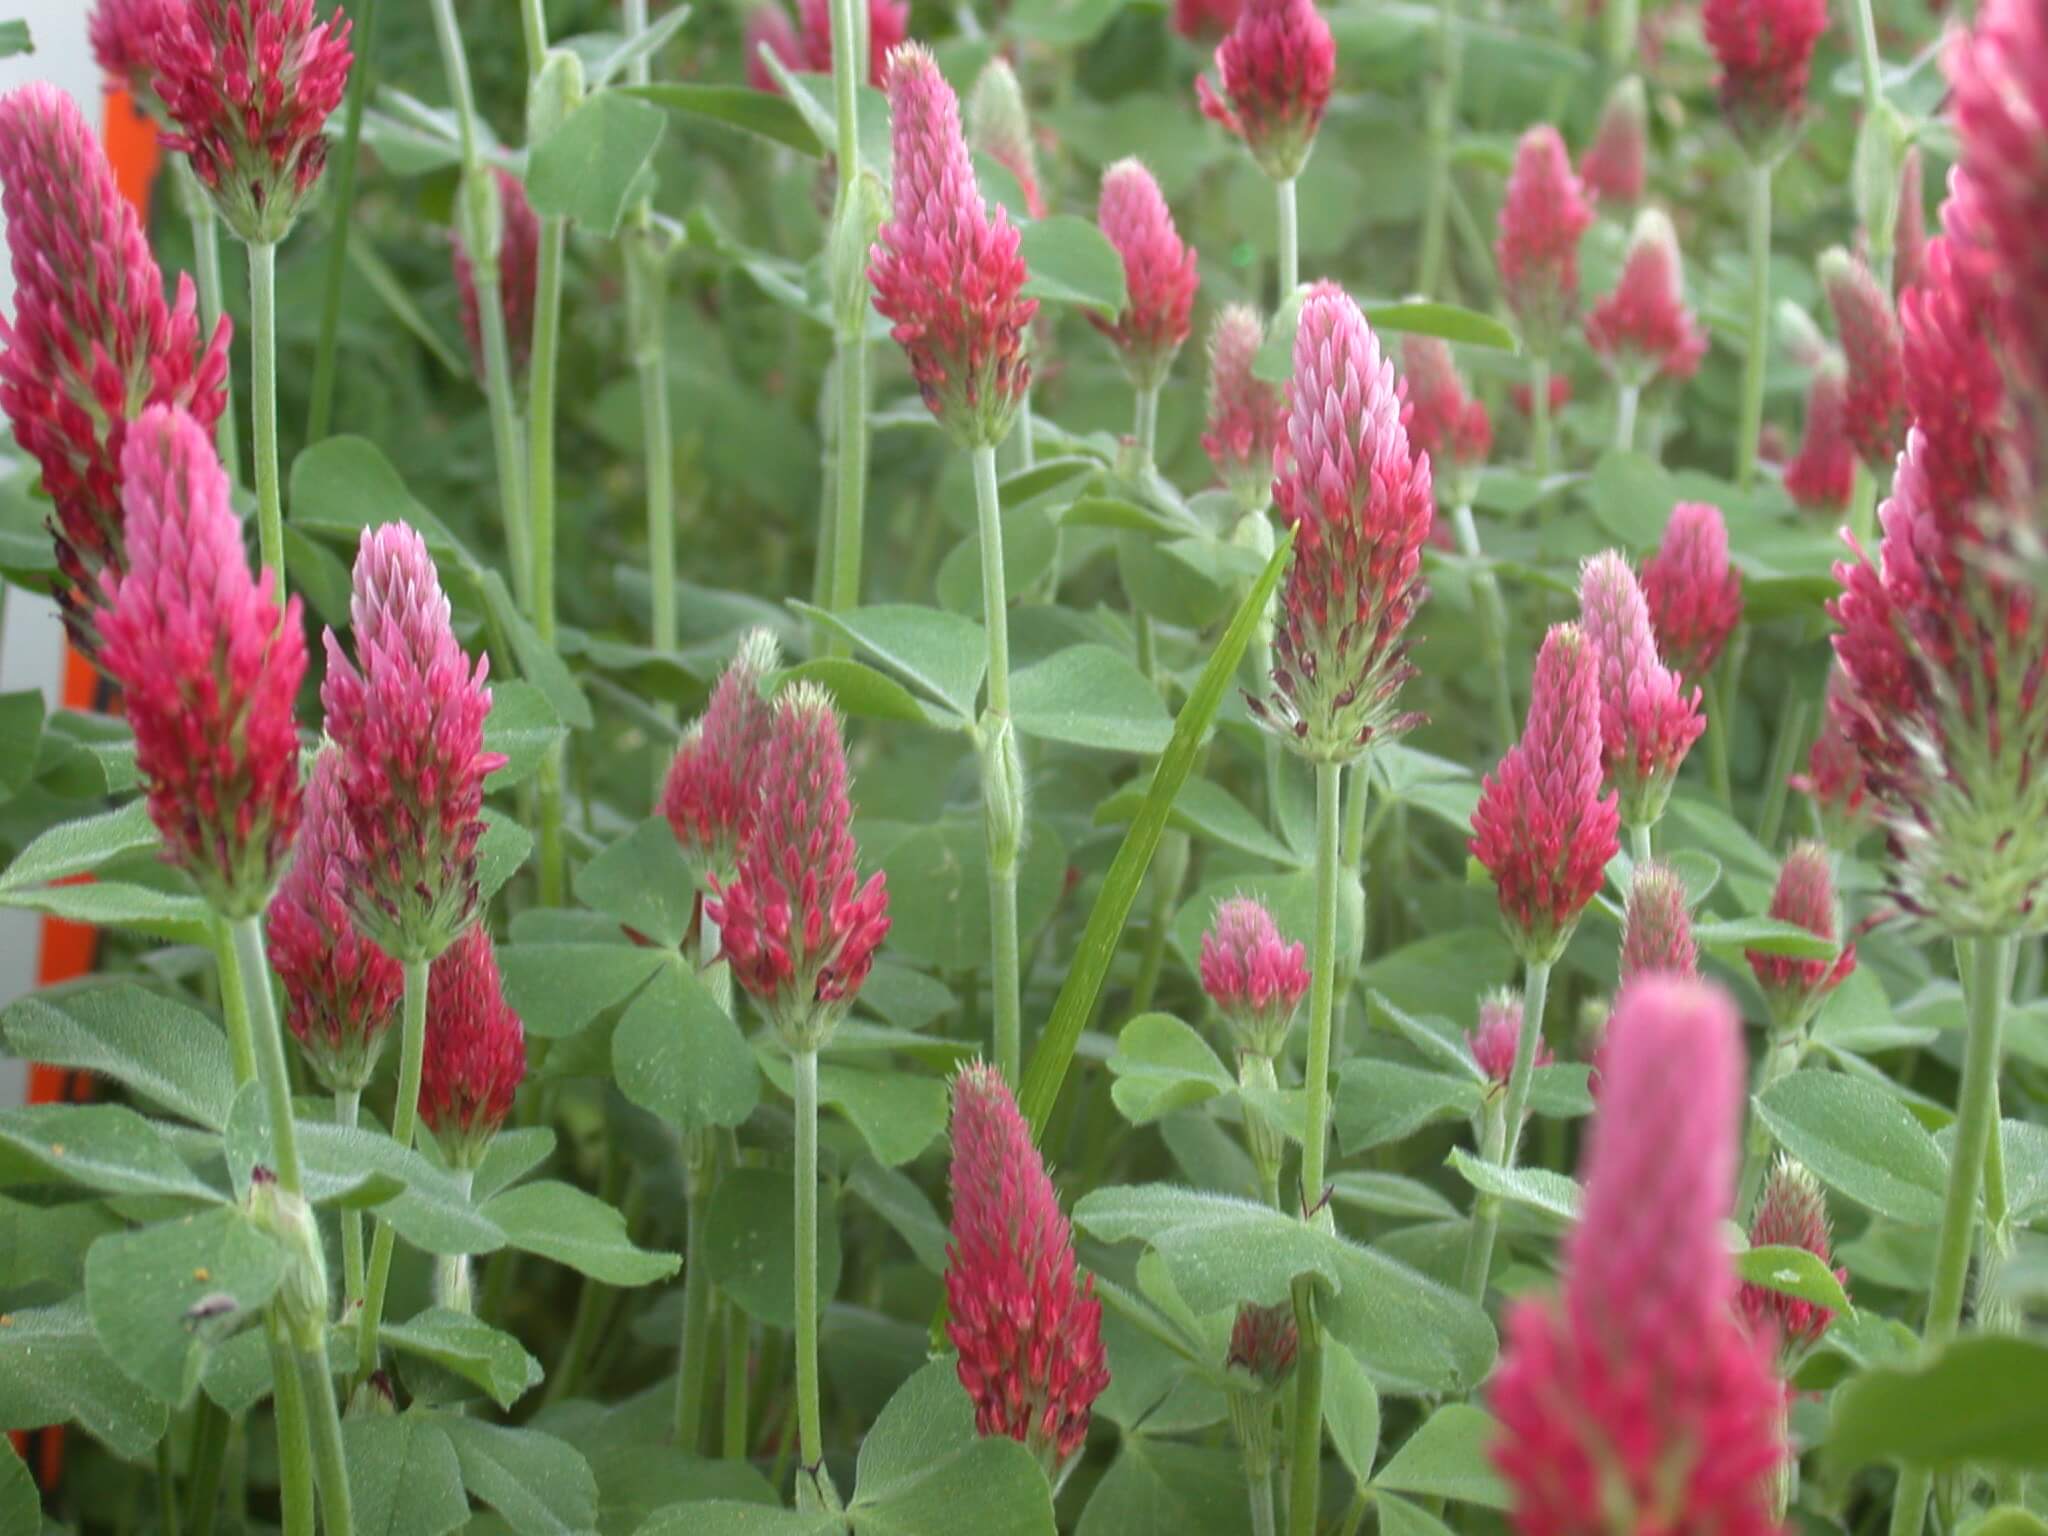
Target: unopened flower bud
1542, 218
1499, 1036
1614, 164
1874, 409
1263, 1343
1881, 144
853, 231
1002, 791
713, 786
998, 126
1791, 1212
302, 1294
1805, 897
1656, 926
556, 92
1648, 721
1255, 977
1245, 411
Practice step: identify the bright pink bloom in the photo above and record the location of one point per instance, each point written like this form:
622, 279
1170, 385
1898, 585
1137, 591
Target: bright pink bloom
1614, 165
1245, 412
1765, 48
888, 25
92, 342
1255, 977
999, 127
1273, 76
1833, 779
797, 925
1694, 595
1159, 273
1643, 329
1541, 828
249, 85
947, 274
1446, 423
1956, 390
1822, 472
1544, 215
410, 726
1635, 1401
1360, 502
1559, 395
1791, 1212
1025, 1322
1204, 21
1648, 721
341, 991
1499, 1035
1909, 232
1656, 927
1264, 1342
475, 1056
714, 783
768, 26
210, 668
1805, 897
123, 37
518, 277
1874, 407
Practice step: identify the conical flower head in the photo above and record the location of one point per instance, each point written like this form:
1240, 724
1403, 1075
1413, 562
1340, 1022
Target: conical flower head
123, 38
1264, 1342
1956, 392
1823, 471
1273, 76
1833, 779
1636, 1401
1543, 217
249, 85
768, 26
1025, 1322
1909, 230
1541, 828
1615, 164
1445, 422
1874, 407
518, 277
1765, 50
1805, 898
797, 924
1643, 329
210, 667
998, 126
888, 25
341, 991
1648, 721
1255, 977
945, 273
1159, 274
1791, 1212
714, 784
1656, 928
1360, 502
91, 343
1498, 1036
408, 718
1245, 412
475, 1056
1694, 595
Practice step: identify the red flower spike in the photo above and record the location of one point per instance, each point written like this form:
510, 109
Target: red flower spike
1025, 1322
947, 274
123, 38
1874, 407
1909, 232
518, 277
1636, 1401
1656, 927
1255, 977
1205, 21
1273, 76
1159, 274
1544, 215
999, 127
210, 668
768, 26
1821, 474
714, 783
1614, 166
1694, 595
1445, 422
888, 25
1264, 1342
249, 85
92, 342
1648, 721
798, 927
475, 1056
1791, 1212
1499, 1035
1360, 502
410, 726
1833, 779
1643, 329
1245, 412
342, 992
1765, 50
1805, 898
1541, 828
1560, 394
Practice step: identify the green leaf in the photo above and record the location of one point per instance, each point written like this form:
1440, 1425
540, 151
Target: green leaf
14, 40
1981, 1400
21, 1504
1072, 262
153, 1045
641, 45
722, 1517
53, 1370
897, 1113
1542, 1190
1159, 1487
1730, 938
586, 169
1162, 1065
2006, 1520
1351, 1409
898, 1200
867, 694
940, 652
1090, 696
21, 727
119, 904
637, 1476
938, 891
539, 663
1391, 1194
511, 1156
542, 1486
644, 881
765, 114
469, 1347
922, 1464
558, 988
1383, 1101
1858, 1139
750, 1244
404, 1474
523, 726
342, 486
1205, 810
1445, 320
98, 1146
1063, 23
1793, 1272
678, 1055
560, 1222
504, 846
1446, 1458
74, 847
1398, 1517
357, 1166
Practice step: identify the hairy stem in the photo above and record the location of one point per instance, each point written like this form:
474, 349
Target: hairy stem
1443, 111
347, 1110
268, 1041
1145, 425
206, 273
693, 1359
1750, 423
1539, 414
337, 1501
294, 1440
405, 1114
540, 410
1506, 1138
1287, 239
209, 1459
1002, 872
1493, 624
733, 1439
810, 1425
1626, 398
263, 407
320, 414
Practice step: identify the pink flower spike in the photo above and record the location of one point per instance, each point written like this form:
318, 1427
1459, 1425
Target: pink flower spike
1833, 779
1541, 828
1273, 76
123, 38
249, 85
797, 925
947, 274
1255, 977
1245, 412
714, 783
1544, 215
1765, 50
83, 358
1636, 1401
1694, 595
999, 127
1264, 1342
341, 991
475, 1056
1499, 1035
1648, 721
1446, 423
1614, 166
768, 26
1643, 329
410, 727
1025, 1322
210, 667
1874, 408
1955, 389
518, 277
1805, 898
1656, 929
1909, 232
1791, 1212
1159, 274
1205, 21
1822, 473
888, 25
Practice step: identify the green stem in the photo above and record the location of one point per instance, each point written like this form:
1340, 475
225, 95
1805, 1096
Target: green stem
540, 491
1720, 729
850, 484
263, 377
1305, 1464
294, 1441
166, 1489
1351, 850
1145, 427
405, 1114
234, 1005
533, 30
1493, 624
1539, 413
1443, 110
1505, 1139
810, 1426
647, 302
1002, 872
320, 415
1750, 423
846, 78
1873, 85
734, 1436
268, 1041
347, 1110
1169, 869
1625, 402
212, 297
1785, 753
209, 1459
1287, 239
1787, 1048
1640, 849
452, 1286
1862, 517
693, 1361
1259, 1479
337, 1501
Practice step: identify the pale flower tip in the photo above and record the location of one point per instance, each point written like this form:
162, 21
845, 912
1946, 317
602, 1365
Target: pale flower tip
1445, 422
1643, 330
1656, 930
1874, 402
1498, 1036
1791, 1212
1615, 164
713, 784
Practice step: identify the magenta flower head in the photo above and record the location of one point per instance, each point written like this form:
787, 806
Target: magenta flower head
1245, 412
1445, 422
1765, 50
1822, 473
1360, 502
714, 783
92, 342
1025, 1322
1159, 274
341, 991
1542, 219
1636, 1401
210, 668
1541, 828
1205, 21
1648, 721
1643, 330
1791, 1212
518, 276
1498, 1036
1263, 1343
475, 1057
249, 85
796, 923
1805, 898
123, 38
947, 274
1255, 977
1273, 76
1833, 779
1874, 406
1694, 595
1956, 392
1656, 926
1615, 164
999, 127
408, 717
888, 25
768, 26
